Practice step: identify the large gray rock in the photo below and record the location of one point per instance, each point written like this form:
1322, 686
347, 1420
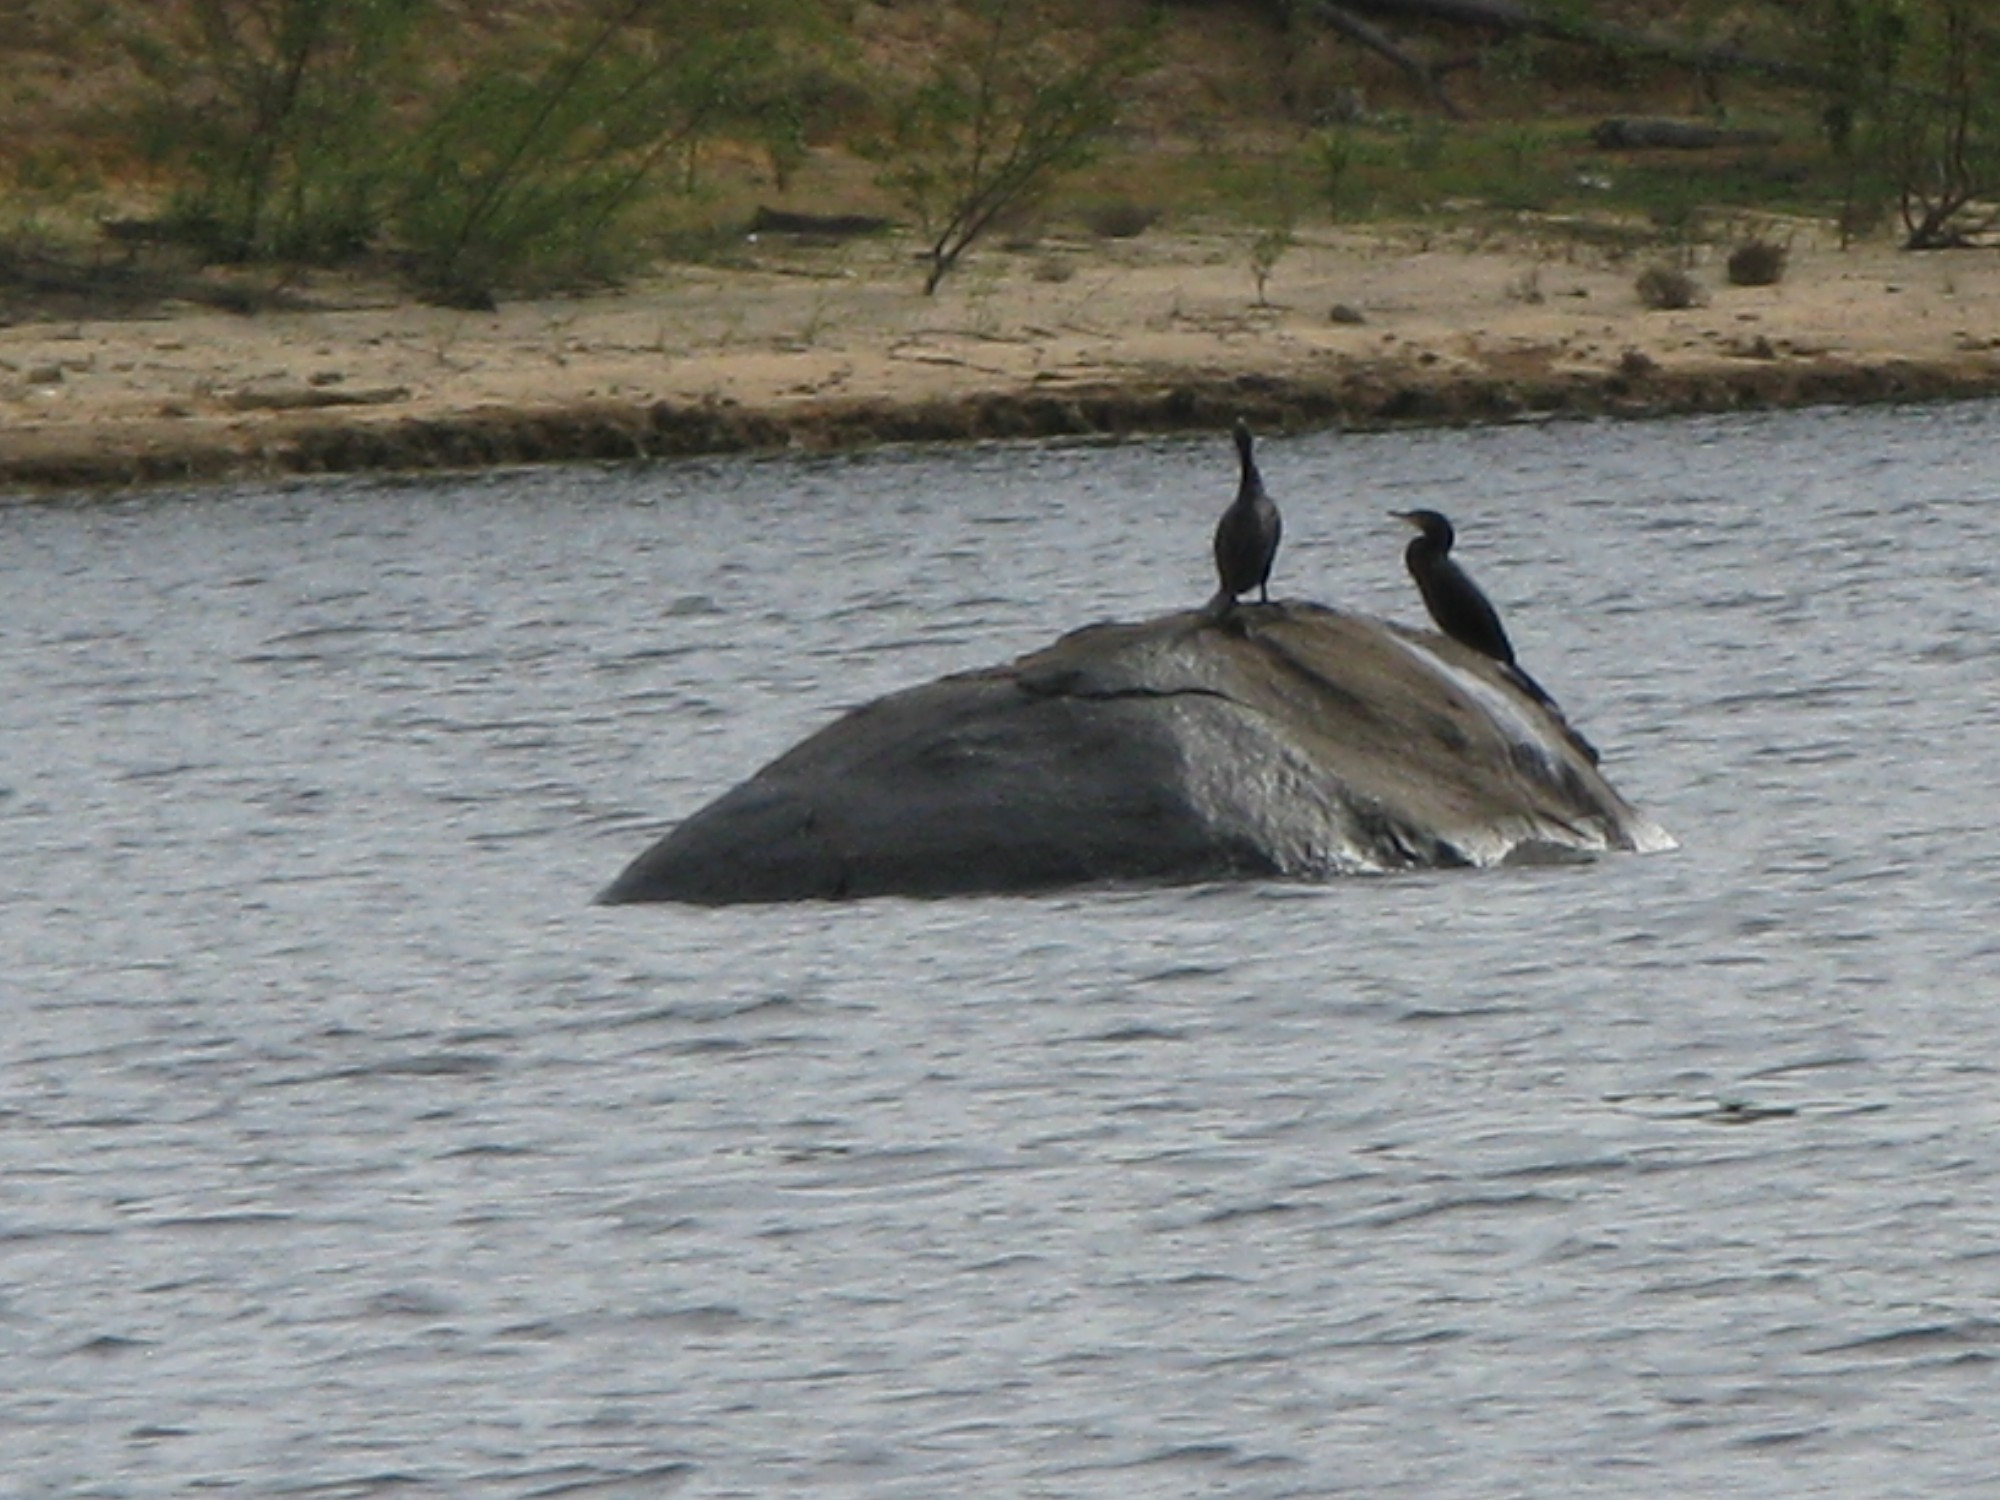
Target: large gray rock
1289, 740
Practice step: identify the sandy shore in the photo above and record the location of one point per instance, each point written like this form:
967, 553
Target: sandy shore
831, 345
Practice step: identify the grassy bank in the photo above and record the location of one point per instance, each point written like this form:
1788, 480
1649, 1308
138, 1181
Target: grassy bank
468, 153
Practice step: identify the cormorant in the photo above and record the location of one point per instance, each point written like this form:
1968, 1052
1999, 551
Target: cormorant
1454, 600
1464, 613
1246, 538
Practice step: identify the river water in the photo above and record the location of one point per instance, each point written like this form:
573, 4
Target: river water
347, 1150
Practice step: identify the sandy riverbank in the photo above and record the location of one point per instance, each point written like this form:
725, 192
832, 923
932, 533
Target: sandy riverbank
821, 346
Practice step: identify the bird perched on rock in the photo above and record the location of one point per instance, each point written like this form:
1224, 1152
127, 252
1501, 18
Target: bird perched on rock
1246, 538
1463, 612
1454, 600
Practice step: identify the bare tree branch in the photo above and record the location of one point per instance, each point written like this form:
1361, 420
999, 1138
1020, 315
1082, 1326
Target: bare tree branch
1346, 23
1561, 24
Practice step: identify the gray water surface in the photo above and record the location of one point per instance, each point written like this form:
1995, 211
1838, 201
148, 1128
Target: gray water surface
345, 1149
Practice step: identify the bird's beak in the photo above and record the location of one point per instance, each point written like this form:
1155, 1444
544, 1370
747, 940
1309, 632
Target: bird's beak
1409, 516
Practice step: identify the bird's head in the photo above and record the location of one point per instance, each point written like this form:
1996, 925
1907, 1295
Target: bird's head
1431, 523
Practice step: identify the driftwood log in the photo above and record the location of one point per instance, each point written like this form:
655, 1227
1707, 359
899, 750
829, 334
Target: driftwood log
1629, 133
821, 226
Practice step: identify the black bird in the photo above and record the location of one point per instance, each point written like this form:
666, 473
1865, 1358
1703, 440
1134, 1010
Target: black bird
1466, 614
1246, 538
1454, 600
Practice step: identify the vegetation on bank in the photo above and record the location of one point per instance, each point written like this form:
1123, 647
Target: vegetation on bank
481, 151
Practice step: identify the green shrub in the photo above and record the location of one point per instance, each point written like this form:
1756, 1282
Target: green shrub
272, 116
525, 176
311, 129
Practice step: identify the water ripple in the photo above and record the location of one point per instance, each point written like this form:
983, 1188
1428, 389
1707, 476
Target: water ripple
350, 1151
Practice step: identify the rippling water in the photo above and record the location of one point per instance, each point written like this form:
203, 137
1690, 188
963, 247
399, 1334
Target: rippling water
348, 1151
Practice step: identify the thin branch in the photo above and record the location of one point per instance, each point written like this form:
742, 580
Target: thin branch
1568, 24
1346, 23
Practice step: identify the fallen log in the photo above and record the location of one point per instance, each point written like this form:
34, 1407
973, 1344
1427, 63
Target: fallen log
1630, 133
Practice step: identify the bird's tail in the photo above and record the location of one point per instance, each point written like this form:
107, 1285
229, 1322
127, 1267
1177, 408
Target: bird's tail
1541, 695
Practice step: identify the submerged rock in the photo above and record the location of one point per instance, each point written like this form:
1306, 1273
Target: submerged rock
1286, 740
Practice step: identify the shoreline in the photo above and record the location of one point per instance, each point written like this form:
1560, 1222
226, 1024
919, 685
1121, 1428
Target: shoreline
137, 455
820, 348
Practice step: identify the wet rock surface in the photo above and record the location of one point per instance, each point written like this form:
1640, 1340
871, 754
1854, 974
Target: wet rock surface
1287, 740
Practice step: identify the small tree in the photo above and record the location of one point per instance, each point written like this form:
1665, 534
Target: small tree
1014, 101
272, 110
1914, 107
1267, 247
1274, 222
310, 129
524, 173
1946, 146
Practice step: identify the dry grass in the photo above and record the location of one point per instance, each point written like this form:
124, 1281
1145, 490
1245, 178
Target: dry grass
1664, 288
1757, 262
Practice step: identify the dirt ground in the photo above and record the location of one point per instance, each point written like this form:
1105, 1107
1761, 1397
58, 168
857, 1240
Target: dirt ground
832, 344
